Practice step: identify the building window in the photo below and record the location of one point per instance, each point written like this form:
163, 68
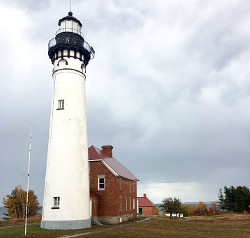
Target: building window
140, 210
133, 187
120, 203
60, 105
120, 185
133, 203
56, 202
126, 204
101, 182
130, 186
130, 204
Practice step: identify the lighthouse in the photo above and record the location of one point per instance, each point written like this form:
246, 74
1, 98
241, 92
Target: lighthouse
66, 202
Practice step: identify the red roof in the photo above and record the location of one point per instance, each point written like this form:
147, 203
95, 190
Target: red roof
111, 163
145, 202
95, 153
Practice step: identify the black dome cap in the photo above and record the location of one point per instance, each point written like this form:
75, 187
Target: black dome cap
70, 17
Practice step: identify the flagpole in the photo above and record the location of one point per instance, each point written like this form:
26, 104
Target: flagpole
28, 184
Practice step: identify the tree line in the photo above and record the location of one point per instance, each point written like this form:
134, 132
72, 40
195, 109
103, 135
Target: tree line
235, 199
174, 205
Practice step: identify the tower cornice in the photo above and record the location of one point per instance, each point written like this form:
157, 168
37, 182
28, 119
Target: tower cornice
70, 41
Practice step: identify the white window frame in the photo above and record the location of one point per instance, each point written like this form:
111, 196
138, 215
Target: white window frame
126, 204
133, 203
60, 104
130, 204
101, 177
56, 201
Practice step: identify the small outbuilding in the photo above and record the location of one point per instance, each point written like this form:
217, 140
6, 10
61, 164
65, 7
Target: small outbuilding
146, 206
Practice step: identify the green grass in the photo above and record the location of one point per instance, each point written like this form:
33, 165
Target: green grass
220, 226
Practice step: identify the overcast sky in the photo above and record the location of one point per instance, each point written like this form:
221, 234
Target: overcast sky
169, 88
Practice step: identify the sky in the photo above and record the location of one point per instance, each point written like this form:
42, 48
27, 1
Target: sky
168, 88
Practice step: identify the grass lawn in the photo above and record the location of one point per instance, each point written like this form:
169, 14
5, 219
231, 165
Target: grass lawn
226, 225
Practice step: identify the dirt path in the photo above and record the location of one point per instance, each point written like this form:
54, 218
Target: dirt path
100, 230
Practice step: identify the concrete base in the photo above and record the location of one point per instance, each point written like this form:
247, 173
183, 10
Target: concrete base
66, 225
116, 219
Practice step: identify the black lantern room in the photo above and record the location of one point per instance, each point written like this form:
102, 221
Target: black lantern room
69, 39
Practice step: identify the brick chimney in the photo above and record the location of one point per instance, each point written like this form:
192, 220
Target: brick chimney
108, 150
144, 195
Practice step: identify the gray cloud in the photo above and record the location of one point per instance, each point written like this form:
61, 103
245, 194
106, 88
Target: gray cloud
168, 88
29, 5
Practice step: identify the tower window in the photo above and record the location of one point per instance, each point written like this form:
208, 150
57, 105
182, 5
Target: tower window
56, 203
60, 104
101, 182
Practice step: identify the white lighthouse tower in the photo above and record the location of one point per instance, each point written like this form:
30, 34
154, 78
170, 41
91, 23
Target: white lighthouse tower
66, 194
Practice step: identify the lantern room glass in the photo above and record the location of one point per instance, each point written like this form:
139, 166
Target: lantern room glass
70, 26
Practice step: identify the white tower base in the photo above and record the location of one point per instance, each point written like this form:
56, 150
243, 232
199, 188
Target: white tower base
66, 225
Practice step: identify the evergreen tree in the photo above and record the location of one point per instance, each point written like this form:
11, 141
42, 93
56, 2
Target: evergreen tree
235, 199
221, 200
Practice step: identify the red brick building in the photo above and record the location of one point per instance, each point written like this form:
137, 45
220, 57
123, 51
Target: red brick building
113, 188
146, 206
